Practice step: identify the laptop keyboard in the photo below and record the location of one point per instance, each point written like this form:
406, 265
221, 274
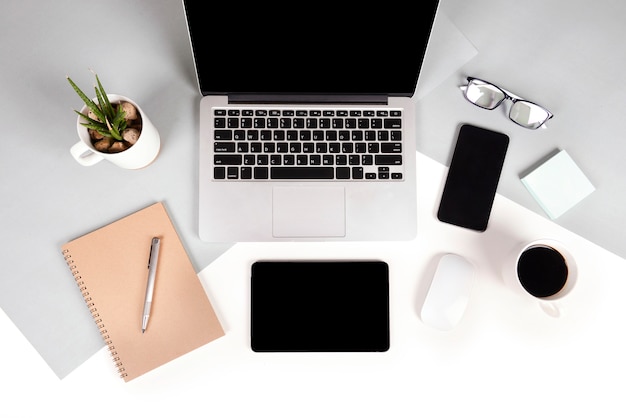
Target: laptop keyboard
313, 144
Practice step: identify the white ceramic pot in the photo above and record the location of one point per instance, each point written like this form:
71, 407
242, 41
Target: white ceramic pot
139, 155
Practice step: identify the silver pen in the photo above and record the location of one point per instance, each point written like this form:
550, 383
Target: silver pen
152, 266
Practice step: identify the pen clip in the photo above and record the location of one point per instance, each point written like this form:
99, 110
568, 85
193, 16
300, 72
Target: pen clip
156, 241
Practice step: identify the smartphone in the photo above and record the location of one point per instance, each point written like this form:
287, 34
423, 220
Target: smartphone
473, 177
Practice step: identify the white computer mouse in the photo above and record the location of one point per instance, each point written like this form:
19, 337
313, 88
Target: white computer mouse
449, 292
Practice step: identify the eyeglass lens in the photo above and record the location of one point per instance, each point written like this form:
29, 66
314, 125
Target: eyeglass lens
528, 114
484, 95
489, 97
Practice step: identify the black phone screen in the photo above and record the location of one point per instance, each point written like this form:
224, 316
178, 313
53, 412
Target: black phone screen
473, 177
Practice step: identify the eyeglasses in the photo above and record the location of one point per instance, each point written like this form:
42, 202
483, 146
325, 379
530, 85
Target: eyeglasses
489, 96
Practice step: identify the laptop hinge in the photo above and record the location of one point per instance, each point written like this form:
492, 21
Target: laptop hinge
377, 99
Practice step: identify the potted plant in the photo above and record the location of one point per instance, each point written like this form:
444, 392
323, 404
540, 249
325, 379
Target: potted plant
112, 124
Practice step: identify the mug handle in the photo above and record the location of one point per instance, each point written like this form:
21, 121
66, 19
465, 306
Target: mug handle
84, 155
553, 309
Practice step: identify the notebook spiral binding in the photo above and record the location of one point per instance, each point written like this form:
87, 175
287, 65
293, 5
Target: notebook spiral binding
94, 313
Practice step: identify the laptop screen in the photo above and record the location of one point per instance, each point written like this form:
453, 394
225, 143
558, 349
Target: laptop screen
309, 48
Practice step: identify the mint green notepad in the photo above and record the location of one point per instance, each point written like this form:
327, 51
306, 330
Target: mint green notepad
558, 184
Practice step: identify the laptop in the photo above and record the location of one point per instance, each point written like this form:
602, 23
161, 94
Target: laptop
307, 126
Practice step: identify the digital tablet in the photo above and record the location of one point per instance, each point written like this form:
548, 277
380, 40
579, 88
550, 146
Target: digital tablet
319, 306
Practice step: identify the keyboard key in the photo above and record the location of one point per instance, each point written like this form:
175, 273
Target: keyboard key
230, 159
393, 123
341, 159
232, 173
276, 159
343, 173
261, 173
302, 173
392, 147
224, 147
223, 134
388, 159
219, 173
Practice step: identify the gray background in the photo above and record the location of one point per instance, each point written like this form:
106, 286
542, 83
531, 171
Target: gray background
565, 55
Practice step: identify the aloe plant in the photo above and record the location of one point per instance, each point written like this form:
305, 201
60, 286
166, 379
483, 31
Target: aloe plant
109, 120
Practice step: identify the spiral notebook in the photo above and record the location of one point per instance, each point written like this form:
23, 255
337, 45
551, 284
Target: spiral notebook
109, 265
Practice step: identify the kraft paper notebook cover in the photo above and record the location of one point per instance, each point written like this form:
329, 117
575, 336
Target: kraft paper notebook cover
110, 266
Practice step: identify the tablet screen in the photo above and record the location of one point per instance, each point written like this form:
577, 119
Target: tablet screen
320, 306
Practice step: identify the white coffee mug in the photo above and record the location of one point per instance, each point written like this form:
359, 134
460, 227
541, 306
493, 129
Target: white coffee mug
141, 154
543, 270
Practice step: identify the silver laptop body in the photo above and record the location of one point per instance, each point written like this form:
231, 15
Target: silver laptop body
278, 162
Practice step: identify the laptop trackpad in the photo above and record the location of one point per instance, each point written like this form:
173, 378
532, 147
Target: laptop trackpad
302, 211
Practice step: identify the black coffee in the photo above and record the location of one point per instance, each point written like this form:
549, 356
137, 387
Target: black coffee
542, 271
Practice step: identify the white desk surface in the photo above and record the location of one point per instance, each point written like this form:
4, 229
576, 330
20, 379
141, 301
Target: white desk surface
506, 358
